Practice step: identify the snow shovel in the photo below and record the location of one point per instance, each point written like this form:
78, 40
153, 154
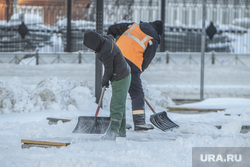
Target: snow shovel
161, 120
93, 124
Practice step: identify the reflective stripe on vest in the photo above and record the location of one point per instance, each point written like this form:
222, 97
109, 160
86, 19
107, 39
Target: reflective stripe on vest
133, 43
140, 42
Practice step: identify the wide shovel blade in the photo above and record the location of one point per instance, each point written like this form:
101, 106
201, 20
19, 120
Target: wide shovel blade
162, 121
92, 125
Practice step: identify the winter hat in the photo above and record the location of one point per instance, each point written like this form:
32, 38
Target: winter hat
159, 26
93, 40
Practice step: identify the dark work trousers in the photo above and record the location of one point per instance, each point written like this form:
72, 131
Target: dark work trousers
136, 91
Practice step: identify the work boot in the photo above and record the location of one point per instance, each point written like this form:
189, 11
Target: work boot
113, 130
122, 131
139, 121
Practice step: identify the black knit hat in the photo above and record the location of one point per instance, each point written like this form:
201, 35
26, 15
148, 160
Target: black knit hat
93, 40
159, 26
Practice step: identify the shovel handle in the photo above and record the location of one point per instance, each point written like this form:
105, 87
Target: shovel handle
100, 101
97, 110
150, 106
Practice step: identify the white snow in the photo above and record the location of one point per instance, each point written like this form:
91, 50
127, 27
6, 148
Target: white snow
29, 94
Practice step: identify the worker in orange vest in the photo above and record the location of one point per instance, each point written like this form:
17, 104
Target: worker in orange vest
138, 43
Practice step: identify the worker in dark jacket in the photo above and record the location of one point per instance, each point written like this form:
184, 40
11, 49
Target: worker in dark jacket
138, 43
118, 72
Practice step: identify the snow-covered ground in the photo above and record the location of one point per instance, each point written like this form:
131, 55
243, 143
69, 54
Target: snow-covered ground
29, 94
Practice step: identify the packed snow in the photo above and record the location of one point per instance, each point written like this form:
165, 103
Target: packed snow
29, 94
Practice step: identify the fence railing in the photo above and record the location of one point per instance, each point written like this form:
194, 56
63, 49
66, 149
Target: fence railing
178, 58
37, 58
194, 58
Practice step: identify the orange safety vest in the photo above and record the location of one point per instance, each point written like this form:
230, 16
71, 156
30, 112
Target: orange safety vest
132, 43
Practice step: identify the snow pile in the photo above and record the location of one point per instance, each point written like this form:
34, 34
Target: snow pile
155, 97
58, 95
243, 22
49, 94
27, 18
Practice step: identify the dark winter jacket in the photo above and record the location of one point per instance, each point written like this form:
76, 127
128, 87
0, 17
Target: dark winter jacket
148, 28
115, 65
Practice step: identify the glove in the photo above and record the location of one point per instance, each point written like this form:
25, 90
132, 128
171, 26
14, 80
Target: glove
105, 83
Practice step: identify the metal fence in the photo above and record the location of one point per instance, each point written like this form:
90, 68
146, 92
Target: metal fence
36, 58
176, 58
27, 25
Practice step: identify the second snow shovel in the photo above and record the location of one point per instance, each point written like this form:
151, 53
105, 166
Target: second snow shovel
93, 124
161, 120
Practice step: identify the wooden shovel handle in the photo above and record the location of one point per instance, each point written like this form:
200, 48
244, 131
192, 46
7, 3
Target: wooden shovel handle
100, 101
150, 106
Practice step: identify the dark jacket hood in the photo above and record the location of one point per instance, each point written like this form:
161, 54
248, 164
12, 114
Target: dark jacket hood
150, 29
93, 40
158, 24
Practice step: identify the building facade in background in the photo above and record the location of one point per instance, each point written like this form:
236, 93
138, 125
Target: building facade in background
183, 20
6, 9
177, 12
51, 11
